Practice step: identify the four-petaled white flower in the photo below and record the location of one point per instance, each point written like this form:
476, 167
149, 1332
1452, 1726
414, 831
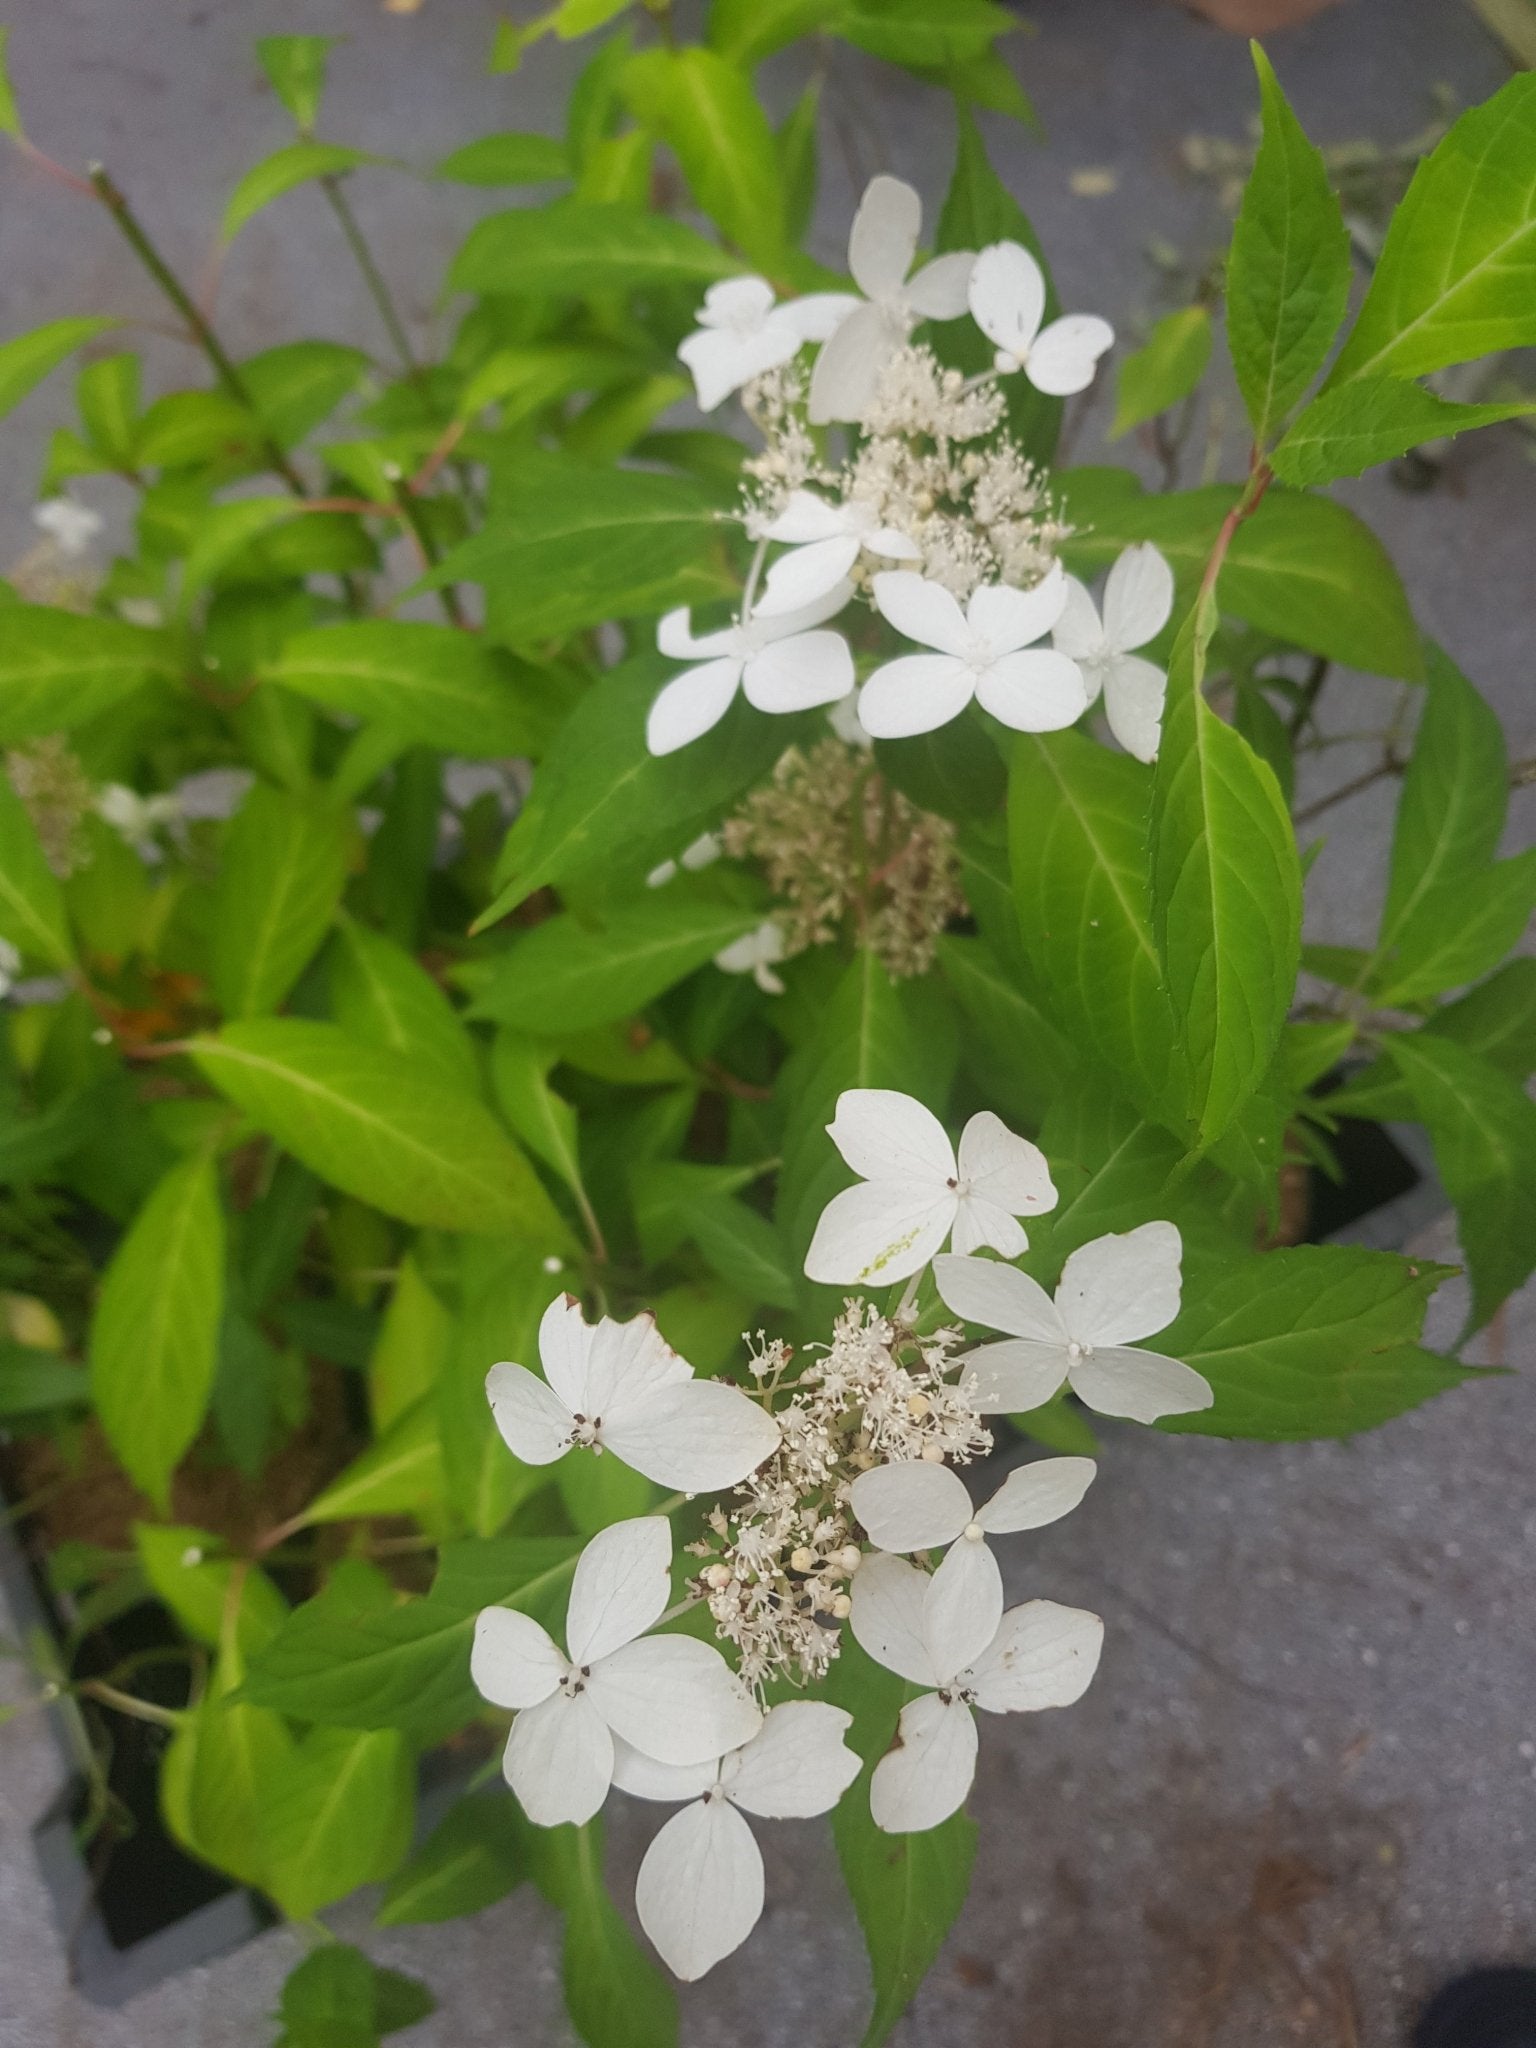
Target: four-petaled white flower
914, 1192
670, 1697
1112, 1292
621, 1387
983, 652
880, 252
779, 663
1138, 598
825, 542
742, 333
1007, 299
949, 1632
918, 1506
756, 953
72, 525
700, 1889
137, 819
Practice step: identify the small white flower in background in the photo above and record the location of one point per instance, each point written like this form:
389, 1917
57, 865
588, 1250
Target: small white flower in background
141, 611
825, 542
918, 1506
846, 724
10, 967
214, 793
672, 1698
699, 853
983, 652
700, 1890
880, 252
1007, 299
1138, 600
779, 663
621, 1387
914, 1192
137, 819
742, 333
949, 1632
73, 526
1112, 1292
756, 954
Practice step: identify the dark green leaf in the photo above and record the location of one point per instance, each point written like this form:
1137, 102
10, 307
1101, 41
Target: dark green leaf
615, 1995
473, 1857
338, 1815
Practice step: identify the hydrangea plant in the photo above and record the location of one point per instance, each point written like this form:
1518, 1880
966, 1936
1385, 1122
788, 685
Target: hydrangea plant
505, 889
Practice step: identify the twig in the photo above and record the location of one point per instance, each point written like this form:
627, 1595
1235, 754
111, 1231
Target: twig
1390, 766
373, 277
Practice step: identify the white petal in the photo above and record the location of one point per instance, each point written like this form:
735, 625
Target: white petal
752, 950
924, 611
698, 1437
675, 636
915, 693
1033, 1495
1043, 1655
622, 1583
721, 359
1001, 1167
926, 1775
1016, 1375
1140, 1385
514, 1662
675, 1699
939, 290
884, 236
848, 368
807, 573
737, 302
805, 517
878, 1232
1037, 691
626, 1363
818, 315
886, 1135
565, 1344
691, 704
1062, 358
983, 1225
998, 1298
796, 1765
891, 545
1008, 619
643, 1778
795, 674
962, 1606
1134, 691
1078, 631
887, 1617
699, 1893
559, 1760
535, 1423
914, 1506
1007, 296
1138, 597
1122, 1287
763, 632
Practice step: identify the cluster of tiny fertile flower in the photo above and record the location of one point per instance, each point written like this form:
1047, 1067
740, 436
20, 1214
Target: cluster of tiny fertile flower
777, 1566
58, 795
844, 852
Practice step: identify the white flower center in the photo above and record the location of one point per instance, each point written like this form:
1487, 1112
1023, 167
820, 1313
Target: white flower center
1075, 1351
978, 654
587, 1430
973, 1532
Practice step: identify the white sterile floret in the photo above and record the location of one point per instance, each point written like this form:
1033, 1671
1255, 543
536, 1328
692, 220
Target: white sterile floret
700, 1889
71, 525
621, 1387
1007, 298
914, 1191
825, 541
1138, 600
756, 953
742, 333
1112, 1293
949, 1632
699, 853
672, 1698
983, 652
779, 663
880, 252
138, 819
919, 1506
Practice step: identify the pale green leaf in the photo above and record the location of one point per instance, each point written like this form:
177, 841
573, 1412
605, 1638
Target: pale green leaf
10, 119
297, 164
509, 159
433, 685
27, 359
382, 993
400, 1473
412, 1347
200, 1586
577, 247
704, 108
284, 866
1164, 370
473, 1857
746, 31
33, 917
60, 669
296, 67
1371, 419
338, 1816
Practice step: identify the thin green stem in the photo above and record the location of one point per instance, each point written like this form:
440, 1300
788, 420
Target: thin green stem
372, 276
128, 1703
414, 516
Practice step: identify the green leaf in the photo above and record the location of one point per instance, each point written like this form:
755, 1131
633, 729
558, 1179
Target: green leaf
10, 119
543, 1120
431, 684
1482, 1126
1315, 1341
1496, 1020
502, 1300
1226, 894
1456, 277
215, 1794
400, 1473
296, 67
336, 1998
338, 1816
746, 31
36, 1383
107, 392
412, 1347
906, 1889
155, 1335
705, 110
473, 1857
508, 159
284, 868
33, 917
581, 975
382, 993
1011, 1046
919, 37
200, 1587
1371, 419
1288, 273
365, 1118
615, 1995
297, 385
26, 359
1164, 370
297, 164
676, 1201
60, 669
798, 150
1460, 931
578, 247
